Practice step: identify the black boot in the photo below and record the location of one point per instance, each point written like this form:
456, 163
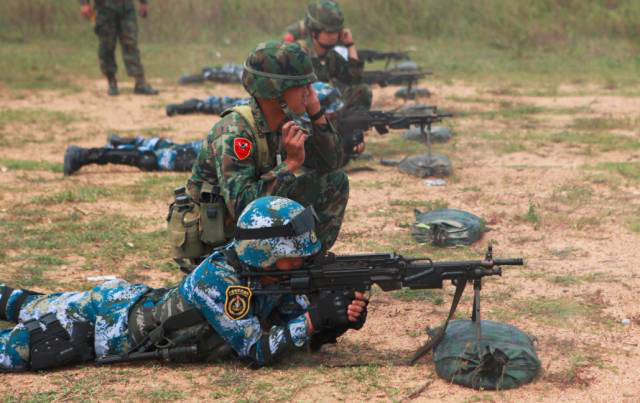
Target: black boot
190, 106
77, 157
115, 140
113, 86
11, 312
143, 88
74, 159
145, 161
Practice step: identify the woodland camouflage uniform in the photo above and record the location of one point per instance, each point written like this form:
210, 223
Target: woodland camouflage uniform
117, 19
335, 66
241, 180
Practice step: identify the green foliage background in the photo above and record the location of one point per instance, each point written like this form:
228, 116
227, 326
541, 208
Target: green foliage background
592, 38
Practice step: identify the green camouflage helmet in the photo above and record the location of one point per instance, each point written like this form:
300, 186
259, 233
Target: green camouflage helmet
274, 67
324, 16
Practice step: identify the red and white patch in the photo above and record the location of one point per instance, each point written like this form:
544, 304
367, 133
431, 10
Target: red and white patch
242, 148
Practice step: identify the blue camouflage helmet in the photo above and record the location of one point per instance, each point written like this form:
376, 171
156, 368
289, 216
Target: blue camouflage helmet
271, 228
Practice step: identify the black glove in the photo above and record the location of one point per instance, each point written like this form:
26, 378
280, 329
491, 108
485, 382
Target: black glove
330, 309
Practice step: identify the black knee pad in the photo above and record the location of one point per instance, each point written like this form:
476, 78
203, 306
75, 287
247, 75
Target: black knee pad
54, 347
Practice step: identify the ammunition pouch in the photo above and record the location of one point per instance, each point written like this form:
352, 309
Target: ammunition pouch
164, 325
196, 228
54, 347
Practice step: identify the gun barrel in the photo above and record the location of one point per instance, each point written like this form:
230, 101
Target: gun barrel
509, 262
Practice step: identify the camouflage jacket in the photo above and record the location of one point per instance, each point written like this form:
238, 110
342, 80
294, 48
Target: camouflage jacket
335, 66
228, 159
112, 3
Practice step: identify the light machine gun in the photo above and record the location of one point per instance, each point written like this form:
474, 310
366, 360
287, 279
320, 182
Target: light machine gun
388, 271
370, 55
353, 123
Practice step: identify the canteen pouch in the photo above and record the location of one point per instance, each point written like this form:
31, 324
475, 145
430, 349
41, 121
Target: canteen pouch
211, 216
184, 230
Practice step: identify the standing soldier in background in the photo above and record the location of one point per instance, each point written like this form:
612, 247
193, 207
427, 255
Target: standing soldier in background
117, 19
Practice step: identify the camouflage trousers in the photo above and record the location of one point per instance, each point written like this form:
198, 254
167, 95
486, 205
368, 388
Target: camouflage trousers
356, 97
113, 24
106, 307
329, 194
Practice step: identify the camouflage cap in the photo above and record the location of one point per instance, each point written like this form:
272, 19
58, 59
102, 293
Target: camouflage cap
275, 66
325, 16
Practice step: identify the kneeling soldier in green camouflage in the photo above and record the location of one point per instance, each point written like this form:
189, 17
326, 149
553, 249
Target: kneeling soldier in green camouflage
117, 19
263, 149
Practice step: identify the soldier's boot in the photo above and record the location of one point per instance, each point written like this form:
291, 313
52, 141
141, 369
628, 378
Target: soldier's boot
18, 297
113, 85
77, 157
115, 140
190, 106
143, 88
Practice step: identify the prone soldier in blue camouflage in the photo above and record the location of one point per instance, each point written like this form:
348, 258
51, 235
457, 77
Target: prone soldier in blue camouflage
333, 52
117, 20
329, 97
211, 315
265, 148
146, 153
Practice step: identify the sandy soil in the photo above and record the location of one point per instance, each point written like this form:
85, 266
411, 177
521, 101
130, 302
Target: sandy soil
586, 356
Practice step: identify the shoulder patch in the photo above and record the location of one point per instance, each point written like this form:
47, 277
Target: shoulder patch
241, 148
237, 302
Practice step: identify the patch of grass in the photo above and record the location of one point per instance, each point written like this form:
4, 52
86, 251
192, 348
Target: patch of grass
395, 146
35, 117
422, 205
432, 296
29, 165
531, 216
572, 194
549, 311
162, 395
629, 170
604, 123
83, 194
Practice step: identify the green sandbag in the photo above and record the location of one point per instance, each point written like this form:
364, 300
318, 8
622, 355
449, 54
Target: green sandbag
447, 227
508, 360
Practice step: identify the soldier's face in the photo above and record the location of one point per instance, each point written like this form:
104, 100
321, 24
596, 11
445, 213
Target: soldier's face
289, 263
296, 98
327, 39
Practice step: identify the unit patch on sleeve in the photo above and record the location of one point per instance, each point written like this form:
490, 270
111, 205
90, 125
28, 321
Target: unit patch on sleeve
242, 148
237, 302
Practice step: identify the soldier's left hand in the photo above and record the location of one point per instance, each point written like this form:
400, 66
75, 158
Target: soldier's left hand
346, 37
358, 149
144, 10
357, 310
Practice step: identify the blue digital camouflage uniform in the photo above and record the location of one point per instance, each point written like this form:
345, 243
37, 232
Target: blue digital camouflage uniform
107, 307
330, 99
164, 149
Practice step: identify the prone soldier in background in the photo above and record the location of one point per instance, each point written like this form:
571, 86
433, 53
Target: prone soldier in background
146, 153
263, 148
116, 19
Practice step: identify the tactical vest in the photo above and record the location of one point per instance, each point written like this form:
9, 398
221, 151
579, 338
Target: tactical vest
172, 323
262, 147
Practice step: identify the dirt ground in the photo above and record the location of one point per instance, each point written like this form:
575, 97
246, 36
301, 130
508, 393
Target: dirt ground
556, 183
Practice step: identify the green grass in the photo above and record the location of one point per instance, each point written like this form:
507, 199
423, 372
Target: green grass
422, 205
608, 123
628, 170
548, 311
431, 296
38, 118
82, 194
29, 165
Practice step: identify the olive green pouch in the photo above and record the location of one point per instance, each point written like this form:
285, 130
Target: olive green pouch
184, 230
211, 217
